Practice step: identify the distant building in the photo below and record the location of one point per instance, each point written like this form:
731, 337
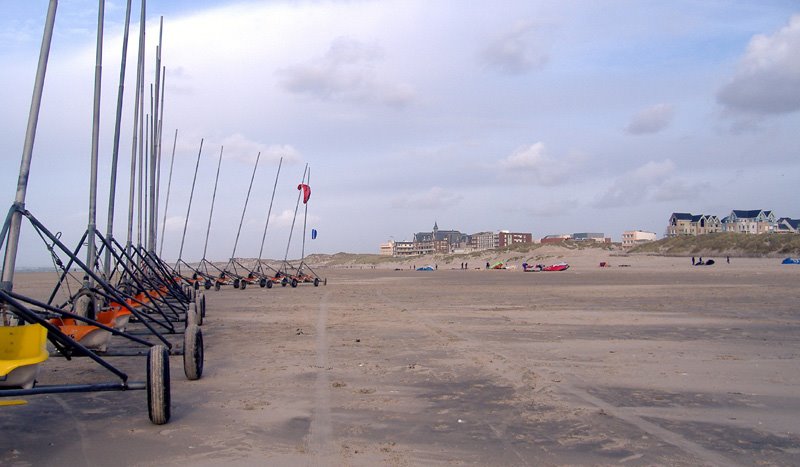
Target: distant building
558, 238
442, 241
786, 225
483, 241
453, 241
393, 248
404, 249
755, 221
632, 238
506, 238
591, 237
683, 223
387, 249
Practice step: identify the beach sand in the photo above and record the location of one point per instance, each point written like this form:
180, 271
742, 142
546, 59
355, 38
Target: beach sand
648, 362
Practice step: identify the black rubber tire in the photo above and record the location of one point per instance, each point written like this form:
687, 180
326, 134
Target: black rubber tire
294, 283
236, 283
217, 286
191, 314
193, 353
269, 284
202, 302
284, 282
158, 394
196, 285
84, 304
243, 285
262, 283
207, 284
198, 312
316, 282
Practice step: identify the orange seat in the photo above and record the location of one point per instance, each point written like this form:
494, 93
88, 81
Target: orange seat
88, 335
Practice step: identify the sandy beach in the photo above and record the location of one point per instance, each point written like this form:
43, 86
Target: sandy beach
647, 362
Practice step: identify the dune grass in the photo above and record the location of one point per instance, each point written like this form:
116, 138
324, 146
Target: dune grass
725, 243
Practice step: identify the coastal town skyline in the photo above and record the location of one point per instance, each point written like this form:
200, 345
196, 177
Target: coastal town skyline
445, 241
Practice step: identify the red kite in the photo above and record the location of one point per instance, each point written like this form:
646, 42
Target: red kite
306, 192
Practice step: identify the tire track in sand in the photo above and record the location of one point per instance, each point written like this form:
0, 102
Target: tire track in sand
321, 429
508, 369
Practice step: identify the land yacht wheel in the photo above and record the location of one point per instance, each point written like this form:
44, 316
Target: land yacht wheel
193, 352
158, 393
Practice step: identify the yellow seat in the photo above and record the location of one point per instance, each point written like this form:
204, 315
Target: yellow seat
22, 348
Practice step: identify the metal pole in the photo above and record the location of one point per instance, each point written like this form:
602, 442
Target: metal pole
145, 180
12, 245
141, 173
297, 205
305, 218
139, 68
158, 156
241, 221
151, 178
213, 198
154, 93
169, 185
191, 195
269, 212
91, 252
115, 151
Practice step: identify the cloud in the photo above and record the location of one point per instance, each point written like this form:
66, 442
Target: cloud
676, 189
513, 52
348, 71
768, 76
637, 185
651, 120
536, 165
434, 198
239, 147
551, 208
284, 219
175, 223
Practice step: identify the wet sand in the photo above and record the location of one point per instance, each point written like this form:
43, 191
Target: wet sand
656, 363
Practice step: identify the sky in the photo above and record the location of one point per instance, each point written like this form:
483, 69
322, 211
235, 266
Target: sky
532, 116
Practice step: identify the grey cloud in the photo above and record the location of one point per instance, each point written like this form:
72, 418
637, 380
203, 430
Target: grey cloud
434, 198
637, 185
768, 78
239, 147
513, 53
676, 189
536, 165
346, 72
651, 120
551, 208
